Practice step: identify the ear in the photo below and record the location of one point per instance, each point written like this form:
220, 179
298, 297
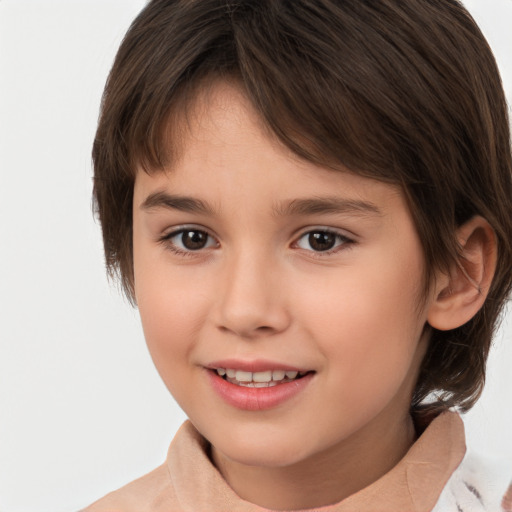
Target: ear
459, 295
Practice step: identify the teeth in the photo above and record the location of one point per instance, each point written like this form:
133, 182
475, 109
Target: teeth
278, 374
242, 376
263, 379
262, 376
257, 384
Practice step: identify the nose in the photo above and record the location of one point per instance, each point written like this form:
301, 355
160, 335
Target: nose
252, 301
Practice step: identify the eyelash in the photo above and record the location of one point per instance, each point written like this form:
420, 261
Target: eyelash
166, 240
343, 242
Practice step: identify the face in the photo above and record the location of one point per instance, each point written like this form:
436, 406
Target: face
279, 300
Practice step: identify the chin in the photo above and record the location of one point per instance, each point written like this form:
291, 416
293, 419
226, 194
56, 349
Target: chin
261, 457
271, 451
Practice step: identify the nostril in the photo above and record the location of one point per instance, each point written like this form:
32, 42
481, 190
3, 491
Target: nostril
249, 331
264, 328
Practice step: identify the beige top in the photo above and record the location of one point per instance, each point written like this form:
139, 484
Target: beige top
189, 482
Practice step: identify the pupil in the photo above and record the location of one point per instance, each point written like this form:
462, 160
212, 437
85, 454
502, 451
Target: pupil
194, 240
322, 241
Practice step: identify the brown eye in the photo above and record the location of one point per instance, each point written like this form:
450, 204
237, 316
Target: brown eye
322, 240
194, 239
189, 240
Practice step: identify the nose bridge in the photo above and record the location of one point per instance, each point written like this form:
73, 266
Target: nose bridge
252, 301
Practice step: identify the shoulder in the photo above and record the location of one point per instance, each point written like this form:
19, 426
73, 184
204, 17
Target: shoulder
151, 493
479, 484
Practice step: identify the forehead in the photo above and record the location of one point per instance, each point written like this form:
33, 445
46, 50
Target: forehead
209, 115
219, 145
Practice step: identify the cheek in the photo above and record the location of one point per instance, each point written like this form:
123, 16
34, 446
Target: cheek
172, 306
171, 319
367, 325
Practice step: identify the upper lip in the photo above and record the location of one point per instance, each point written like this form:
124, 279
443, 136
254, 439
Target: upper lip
255, 365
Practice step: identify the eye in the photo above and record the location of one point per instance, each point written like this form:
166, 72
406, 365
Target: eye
189, 240
322, 240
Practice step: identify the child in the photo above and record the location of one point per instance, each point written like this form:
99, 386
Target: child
309, 201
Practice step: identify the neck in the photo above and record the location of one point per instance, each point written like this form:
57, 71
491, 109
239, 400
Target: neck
327, 477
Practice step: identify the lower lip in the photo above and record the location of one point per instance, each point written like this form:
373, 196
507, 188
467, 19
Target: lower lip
257, 399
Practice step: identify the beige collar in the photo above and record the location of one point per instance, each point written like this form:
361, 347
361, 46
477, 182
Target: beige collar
413, 485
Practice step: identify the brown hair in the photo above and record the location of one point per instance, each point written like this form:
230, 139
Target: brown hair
403, 91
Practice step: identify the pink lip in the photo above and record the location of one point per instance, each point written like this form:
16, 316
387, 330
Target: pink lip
256, 399
257, 365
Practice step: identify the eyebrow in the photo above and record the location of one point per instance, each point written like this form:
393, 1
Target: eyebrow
326, 205
306, 206
176, 202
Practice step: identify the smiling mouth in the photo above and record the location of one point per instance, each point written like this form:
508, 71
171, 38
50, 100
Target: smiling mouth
264, 379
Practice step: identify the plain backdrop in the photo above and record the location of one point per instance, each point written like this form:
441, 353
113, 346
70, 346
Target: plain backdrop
82, 410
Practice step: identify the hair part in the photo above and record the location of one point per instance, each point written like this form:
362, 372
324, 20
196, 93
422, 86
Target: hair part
402, 91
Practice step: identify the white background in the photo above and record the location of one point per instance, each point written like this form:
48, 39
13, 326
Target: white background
82, 410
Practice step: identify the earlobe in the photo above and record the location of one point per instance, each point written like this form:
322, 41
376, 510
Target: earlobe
459, 295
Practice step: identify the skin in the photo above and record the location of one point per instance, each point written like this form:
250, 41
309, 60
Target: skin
259, 290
